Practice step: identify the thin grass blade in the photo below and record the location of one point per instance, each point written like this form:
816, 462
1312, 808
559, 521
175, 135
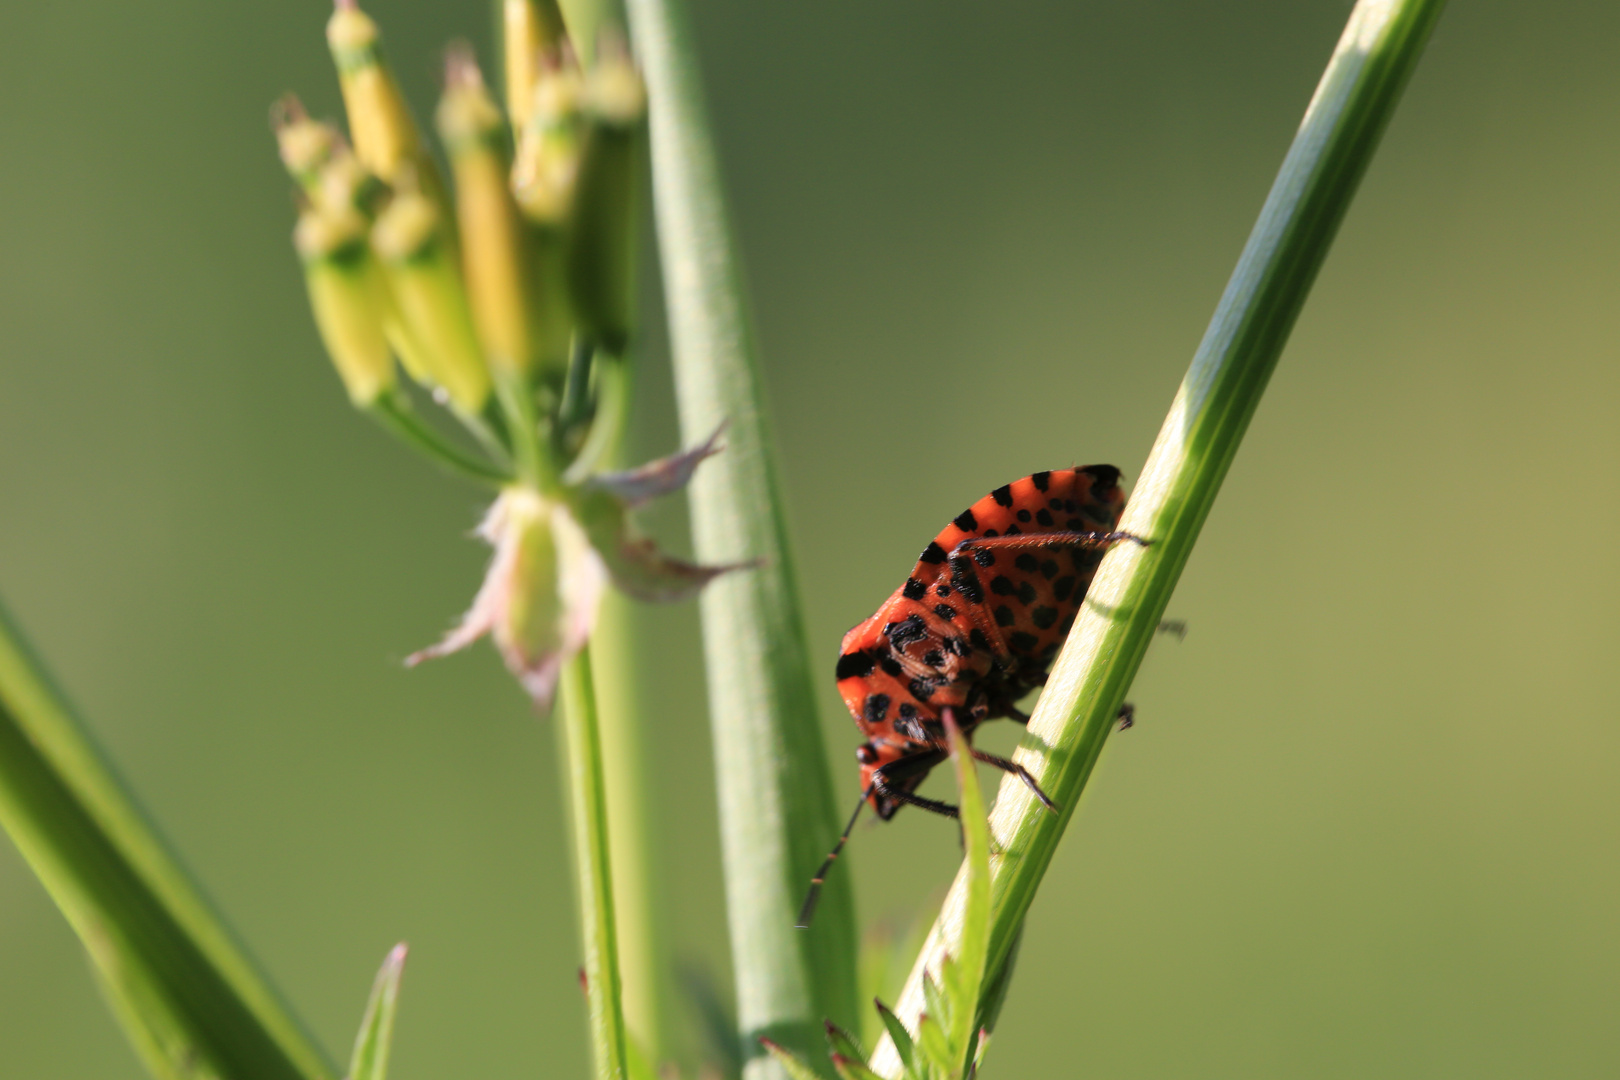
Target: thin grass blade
1352, 105
376, 1038
186, 989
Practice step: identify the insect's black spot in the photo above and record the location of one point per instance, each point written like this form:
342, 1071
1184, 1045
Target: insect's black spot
966, 581
1044, 617
1049, 569
1026, 562
977, 639
1102, 476
1049, 652
984, 556
1054, 504
988, 533
854, 665
1022, 643
1002, 495
945, 611
907, 710
1014, 530
1002, 585
921, 689
1066, 624
1062, 587
1024, 515
1041, 480
866, 753
1102, 515
942, 590
1075, 525
914, 590
890, 665
1043, 517
934, 658
877, 708
933, 553
956, 646
1004, 616
1026, 592
904, 632
966, 521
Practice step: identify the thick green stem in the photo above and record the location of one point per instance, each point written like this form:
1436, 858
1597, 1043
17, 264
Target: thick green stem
593, 873
777, 816
1353, 103
179, 980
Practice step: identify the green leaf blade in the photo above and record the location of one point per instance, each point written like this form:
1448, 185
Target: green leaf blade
376, 1037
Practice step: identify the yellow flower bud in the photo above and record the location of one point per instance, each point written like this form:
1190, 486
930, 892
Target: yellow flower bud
385, 135
411, 239
532, 29
347, 294
306, 145
496, 256
547, 162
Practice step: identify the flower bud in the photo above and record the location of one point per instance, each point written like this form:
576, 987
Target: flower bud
607, 203
496, 256
410, 238
305, 145
347, 294
532, 29
547, 161
385, 136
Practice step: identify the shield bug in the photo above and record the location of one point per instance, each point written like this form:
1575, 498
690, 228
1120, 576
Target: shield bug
973, 630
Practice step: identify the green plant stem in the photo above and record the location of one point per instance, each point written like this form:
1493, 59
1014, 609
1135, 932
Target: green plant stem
593, 873
395, 413
179, 980
1352, 105
632, 831
777, 817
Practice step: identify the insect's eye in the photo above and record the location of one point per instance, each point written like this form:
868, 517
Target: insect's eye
865, 754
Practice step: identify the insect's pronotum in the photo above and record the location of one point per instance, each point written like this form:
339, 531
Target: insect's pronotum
973, 630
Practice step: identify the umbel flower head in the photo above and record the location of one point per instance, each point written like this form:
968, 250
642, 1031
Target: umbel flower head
505, 297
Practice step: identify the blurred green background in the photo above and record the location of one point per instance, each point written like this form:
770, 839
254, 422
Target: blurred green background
1367, 822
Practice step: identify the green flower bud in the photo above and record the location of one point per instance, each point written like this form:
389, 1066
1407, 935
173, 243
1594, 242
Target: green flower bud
347, 294
532, 29
607, 202
548, 149
441, 348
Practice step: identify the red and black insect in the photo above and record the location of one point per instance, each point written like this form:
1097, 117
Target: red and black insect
973, 630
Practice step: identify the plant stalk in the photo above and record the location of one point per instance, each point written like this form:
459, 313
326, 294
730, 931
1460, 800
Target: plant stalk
186, 990
777, 817
1351, 107
593, 873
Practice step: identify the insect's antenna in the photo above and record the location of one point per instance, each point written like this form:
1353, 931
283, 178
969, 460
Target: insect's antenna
809, 908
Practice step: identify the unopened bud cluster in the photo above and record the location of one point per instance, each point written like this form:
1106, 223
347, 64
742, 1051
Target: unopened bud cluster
506, 294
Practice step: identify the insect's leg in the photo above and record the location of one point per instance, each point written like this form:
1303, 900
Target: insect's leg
809, 908
1019, 771
880, 784
1177, 627
1127, 716
1048, 539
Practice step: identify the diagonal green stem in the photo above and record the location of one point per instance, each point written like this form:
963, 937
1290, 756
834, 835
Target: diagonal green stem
777, 817
394, 412
1352, 105
593, 875
184, 987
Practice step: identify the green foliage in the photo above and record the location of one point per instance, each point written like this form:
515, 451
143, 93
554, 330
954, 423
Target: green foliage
376, 1037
